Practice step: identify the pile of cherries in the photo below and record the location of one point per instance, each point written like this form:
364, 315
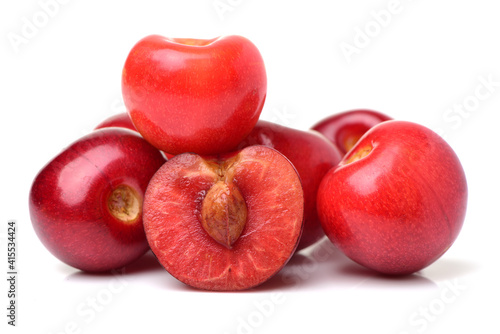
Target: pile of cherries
238, 196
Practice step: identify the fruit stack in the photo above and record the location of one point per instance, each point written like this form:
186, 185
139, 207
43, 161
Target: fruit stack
238, 196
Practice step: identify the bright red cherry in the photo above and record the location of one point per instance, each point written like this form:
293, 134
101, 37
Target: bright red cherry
194, 95
345, 129
397, 200
86, 204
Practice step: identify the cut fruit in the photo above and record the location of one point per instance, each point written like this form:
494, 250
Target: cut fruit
263, 183
311, 154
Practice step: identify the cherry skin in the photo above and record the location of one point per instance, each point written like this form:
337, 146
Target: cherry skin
227, 222
193, 95
346, 128
397, 200
86, 203
121, 120
311, 154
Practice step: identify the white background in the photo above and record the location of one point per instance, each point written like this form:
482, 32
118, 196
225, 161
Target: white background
426, 61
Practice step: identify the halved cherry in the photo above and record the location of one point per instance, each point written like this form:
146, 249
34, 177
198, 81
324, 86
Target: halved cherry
224, 223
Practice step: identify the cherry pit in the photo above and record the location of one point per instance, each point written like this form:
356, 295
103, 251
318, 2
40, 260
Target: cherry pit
225, 199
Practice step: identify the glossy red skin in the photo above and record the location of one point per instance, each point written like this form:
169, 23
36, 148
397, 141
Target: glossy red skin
187, 95
68, 199
398, 209
311, 154
273, 194
347, 127
121, 120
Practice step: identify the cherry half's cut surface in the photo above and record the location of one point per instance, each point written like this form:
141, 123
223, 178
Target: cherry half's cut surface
224, 223
86, 204
311, 154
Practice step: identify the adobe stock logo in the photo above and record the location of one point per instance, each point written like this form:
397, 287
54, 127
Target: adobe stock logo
264, 309
428, 314
94, 305
363, 36
222, 7
34, 23
454, 117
